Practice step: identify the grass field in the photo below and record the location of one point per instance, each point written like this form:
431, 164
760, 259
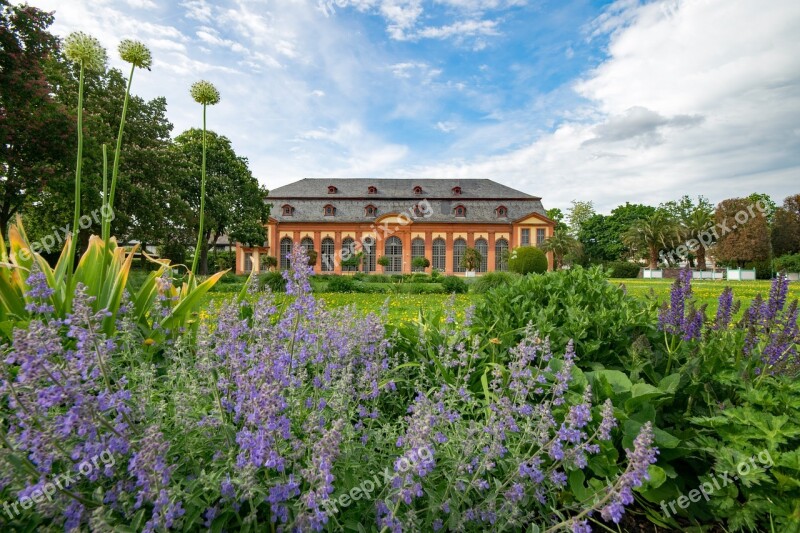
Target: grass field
405, 307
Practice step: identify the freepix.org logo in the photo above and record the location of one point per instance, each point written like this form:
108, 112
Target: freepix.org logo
63, 481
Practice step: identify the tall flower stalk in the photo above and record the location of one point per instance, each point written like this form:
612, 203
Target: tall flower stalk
137, 54
206, 94
85, 51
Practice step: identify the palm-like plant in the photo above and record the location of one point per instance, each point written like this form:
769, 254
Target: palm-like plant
659, 230
560, 244
696, 223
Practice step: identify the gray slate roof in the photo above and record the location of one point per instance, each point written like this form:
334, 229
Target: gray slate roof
480, 197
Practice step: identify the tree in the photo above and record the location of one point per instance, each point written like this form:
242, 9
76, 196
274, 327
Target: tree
696, 226
420, 263
149, 204
579, 213
743, 234
36, 131
561, 244
471, 259
786, 227
556, 215
649, 235
601, 236
234, 198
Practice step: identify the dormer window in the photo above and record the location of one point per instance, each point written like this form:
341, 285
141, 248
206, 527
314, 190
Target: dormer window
417, 190
372, 189
370, 210
501, 211
329, 210
456, 191
287, 210
460, 211
332, 189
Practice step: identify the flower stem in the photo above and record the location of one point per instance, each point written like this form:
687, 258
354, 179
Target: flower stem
202, 199
115, 170
78, 171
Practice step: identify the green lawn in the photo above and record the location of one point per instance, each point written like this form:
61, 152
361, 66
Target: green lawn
403, 307
705, 292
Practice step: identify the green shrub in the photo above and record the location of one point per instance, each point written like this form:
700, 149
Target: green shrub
377, 278
492, 280
223, 260
435, 274
576, 304
454, 284
273, 280
342, 284
788, 263
421, 278
527, 260
396, 277
621, 269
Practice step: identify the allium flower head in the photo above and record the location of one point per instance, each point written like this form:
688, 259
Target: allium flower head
135, 53
85, 50
205, 93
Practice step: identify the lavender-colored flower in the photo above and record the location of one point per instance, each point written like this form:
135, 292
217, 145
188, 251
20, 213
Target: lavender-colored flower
679, 317
639, 460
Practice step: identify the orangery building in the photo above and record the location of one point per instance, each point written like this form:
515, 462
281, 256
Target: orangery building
400, 219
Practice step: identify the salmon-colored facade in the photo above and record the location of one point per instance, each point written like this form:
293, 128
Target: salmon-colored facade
399, 226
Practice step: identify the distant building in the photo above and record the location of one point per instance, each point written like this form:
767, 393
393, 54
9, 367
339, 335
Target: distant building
401, 219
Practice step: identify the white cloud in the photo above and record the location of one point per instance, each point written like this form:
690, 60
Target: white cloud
460, 29
695, 97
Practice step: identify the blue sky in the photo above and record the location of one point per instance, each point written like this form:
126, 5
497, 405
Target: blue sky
603, 101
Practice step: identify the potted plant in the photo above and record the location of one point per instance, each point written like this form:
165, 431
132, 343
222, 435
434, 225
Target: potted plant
384, 261
471, 261
420, 263
268, 262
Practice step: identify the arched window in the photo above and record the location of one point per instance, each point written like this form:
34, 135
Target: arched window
332, 189
456, 191
370, 210
500, 255
287, 210
483, 248
393, 249
459, 247
502, 211
372, 189
417, 250
368, 247
286, 250
307, 243
348, 251
417, 190
327, 249
439, 259
460, 211
329, 210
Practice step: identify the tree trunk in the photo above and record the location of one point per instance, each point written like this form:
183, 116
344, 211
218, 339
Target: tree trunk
204, 254
653, 257
701, 257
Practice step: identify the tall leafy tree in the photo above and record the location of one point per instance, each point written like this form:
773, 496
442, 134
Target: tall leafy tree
557, 215
786, 227
649, 235
696, 226
149, 206
234, 199
743, 232
562, 245
601, 235
579, 213
36, 131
